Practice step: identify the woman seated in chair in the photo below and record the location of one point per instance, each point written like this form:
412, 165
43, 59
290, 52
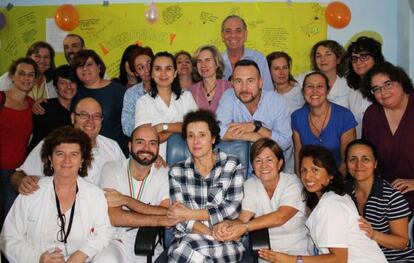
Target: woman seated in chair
205, 189
66, 220
334, 230
272, 199
383, 209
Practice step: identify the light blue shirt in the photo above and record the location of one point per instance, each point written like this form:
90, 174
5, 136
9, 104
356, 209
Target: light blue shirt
256, 57
128, 110
272, 110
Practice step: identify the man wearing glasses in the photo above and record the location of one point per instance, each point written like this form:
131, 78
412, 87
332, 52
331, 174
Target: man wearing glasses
87, 116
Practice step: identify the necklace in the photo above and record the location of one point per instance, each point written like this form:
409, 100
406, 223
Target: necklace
209, 93
131, 184
319, 130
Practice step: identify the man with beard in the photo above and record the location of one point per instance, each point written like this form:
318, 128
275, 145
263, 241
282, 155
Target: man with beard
138, 195
72, 44
249, 113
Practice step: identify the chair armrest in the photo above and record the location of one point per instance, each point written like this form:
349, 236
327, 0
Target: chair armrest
259, 239
146, 240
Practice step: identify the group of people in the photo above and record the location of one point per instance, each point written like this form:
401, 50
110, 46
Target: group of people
332, 162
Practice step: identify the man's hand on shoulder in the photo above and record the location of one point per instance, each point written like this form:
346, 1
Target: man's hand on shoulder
28, 184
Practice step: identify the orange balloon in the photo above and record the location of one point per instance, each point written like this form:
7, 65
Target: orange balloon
338, 15
67, 17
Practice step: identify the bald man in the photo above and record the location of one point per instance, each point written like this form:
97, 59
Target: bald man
87, 116
138, 195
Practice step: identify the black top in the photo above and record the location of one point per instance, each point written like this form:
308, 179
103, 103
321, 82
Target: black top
55, 116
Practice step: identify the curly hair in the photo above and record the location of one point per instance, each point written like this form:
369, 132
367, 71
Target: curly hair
395, 74
322, 158
206, 116
66, 134
339, 52
362, 45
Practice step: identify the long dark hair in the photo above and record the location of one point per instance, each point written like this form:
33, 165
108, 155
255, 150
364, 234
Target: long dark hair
175, 86
123, 76
362, 45
323, 158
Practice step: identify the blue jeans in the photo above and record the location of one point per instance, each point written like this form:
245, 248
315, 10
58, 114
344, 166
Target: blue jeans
7, 193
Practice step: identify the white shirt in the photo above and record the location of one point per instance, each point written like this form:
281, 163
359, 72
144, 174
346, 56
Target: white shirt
294, 97
155, 111
31, 225
106, 150
334, 223
296, 101
154, 191
6, 83
358, 105
290, 237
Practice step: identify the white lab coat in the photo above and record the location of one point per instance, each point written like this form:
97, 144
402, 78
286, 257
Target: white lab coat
25, 237
107, 150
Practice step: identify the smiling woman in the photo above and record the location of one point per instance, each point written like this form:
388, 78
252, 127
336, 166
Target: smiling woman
321, 122
333, 228
57, 110
384, 210
388, 124
90, 70
16, 124
66, 219
273, 200
166, 104
210, 86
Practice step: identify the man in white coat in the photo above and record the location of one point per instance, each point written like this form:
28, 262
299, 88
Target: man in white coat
137, 193
87, 116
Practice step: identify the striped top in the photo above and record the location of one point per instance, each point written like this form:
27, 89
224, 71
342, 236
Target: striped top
385, 204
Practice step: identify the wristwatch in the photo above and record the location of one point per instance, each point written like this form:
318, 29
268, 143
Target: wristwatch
164, 126
257, 126
299, 259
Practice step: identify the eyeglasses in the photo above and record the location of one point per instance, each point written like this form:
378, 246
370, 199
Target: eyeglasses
362, 57
61, 233
86, 116
386, 86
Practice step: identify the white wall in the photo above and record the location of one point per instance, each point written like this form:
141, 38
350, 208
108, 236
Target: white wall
393, 20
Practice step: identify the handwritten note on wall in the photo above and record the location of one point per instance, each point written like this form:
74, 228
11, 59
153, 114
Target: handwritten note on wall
289, 27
